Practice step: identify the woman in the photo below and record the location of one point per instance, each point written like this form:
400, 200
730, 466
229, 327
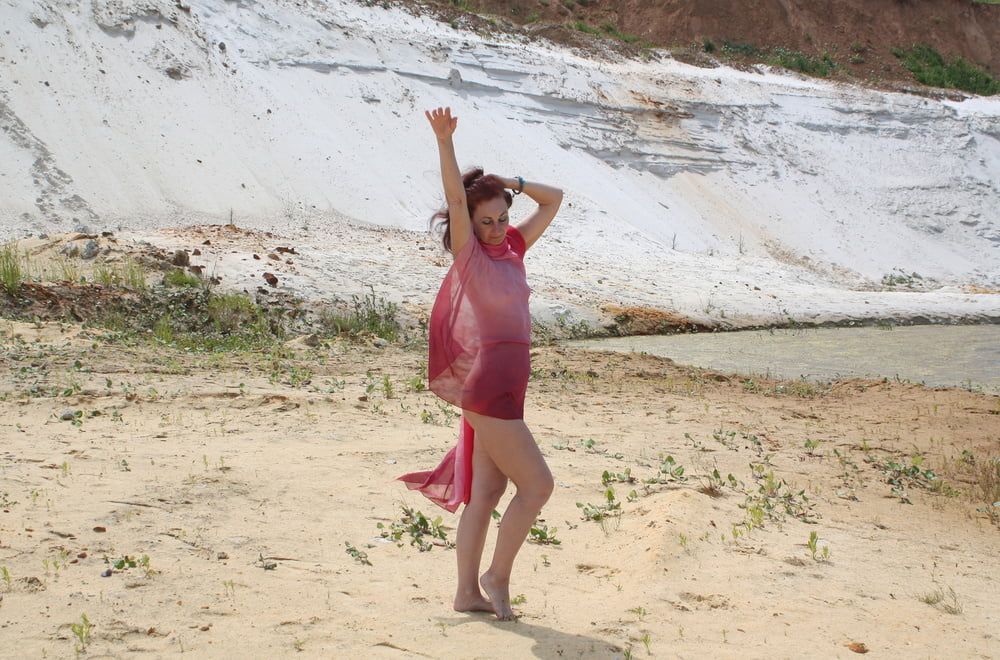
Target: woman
480, 335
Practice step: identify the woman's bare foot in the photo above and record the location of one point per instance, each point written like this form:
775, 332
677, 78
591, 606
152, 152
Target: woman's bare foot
472, 603
499, 595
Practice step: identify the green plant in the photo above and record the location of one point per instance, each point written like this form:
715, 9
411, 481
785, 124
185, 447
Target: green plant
820, 67
231, 311
163, 331
813, 545
599, 513
13, 268
82, 632
124, 563
370, 315
812, 445
774, 499
639, 612
612, 31
948, 602
740, 49
901, 476
540, 534
583, 27
669, 472
5, 575
987, 480
626, 477
65, 270
179, 278
419, 528
519, 599
715, 483
128, 273
360, 556
929, 67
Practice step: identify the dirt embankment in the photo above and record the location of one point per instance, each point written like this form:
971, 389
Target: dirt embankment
858, 34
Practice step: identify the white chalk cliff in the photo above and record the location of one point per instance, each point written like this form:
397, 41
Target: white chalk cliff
739, 197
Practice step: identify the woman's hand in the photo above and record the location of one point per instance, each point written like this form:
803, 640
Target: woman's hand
442, 122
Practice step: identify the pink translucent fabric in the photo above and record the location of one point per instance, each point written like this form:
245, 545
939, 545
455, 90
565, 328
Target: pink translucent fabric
479, 344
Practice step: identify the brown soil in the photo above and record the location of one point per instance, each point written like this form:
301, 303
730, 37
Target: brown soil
864, 30
650, 321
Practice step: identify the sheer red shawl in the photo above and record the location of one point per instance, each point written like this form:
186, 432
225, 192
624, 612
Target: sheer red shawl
479, 315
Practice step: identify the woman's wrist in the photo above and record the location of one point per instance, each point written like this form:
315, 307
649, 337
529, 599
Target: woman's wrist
516, 184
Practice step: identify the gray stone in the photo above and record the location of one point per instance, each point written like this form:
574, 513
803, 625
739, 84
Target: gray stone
90, 250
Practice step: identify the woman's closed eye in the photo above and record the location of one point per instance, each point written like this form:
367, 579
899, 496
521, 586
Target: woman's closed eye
489, 221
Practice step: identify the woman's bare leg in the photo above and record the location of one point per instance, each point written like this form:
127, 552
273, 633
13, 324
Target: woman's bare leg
488, 486
512, 448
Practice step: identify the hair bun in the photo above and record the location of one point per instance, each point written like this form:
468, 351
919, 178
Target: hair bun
470, 177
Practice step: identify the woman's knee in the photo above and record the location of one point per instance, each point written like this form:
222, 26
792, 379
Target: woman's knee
537, 491
490, 494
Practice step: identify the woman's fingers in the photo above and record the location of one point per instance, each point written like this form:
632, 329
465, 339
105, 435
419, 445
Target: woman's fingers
441, 120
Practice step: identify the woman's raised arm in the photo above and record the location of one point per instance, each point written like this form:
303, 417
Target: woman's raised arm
459, 222
548, 199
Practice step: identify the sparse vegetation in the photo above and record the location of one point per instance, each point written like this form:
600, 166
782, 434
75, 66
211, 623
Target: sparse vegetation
541, 534
13, 268
987, 480
902, 476
423, 532
369, 316
179, 278
946, 601
81, 631
814, 550
359, 556
929, 67
600, 513
127, 273
819, 67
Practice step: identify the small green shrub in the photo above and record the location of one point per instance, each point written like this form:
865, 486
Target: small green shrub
179, 278
820, 67
370, 315
741, 49
612, 30
128, 273
231, 311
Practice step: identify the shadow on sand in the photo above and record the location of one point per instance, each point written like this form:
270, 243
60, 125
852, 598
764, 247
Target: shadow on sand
549, 644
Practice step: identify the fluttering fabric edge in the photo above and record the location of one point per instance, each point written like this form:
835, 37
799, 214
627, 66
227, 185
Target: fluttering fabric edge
450, 483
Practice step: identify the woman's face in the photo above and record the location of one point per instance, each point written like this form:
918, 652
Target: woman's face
489, 221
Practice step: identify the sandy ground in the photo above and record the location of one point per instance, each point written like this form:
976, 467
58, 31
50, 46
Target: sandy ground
242, 478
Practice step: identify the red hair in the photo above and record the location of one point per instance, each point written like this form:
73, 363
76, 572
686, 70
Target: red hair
479, 188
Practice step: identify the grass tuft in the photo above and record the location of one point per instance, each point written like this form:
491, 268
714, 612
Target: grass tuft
13, 268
